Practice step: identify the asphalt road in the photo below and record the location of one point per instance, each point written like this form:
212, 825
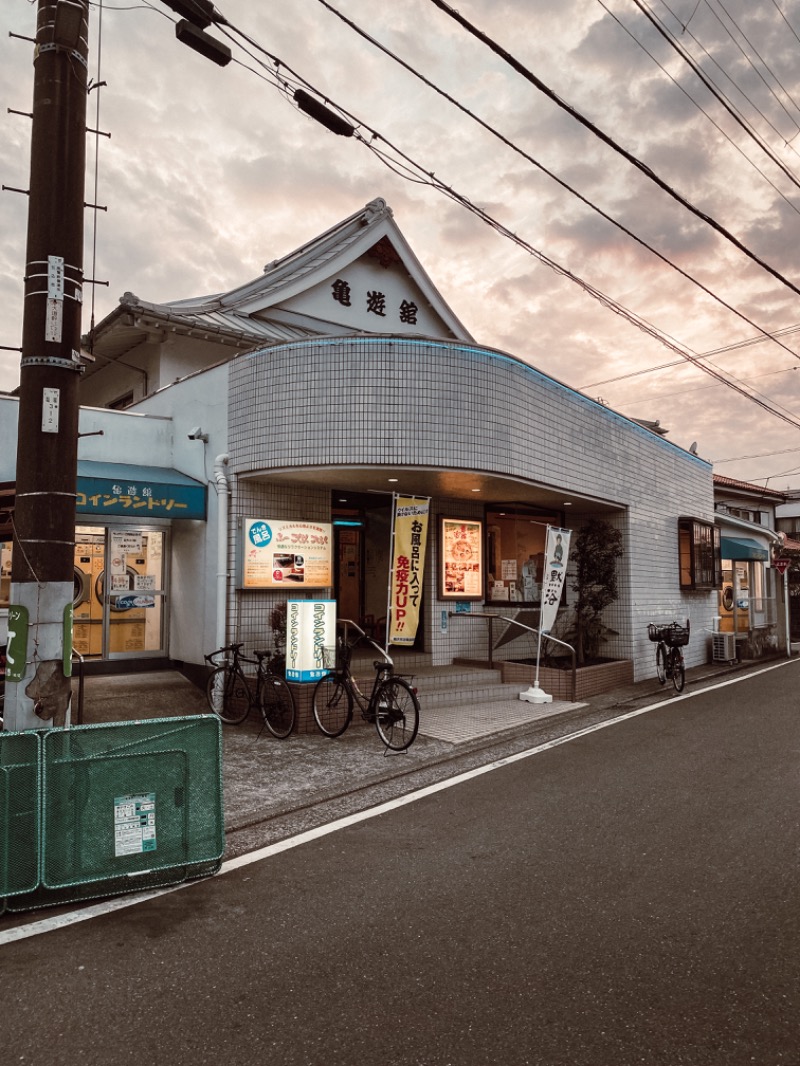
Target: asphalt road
629, 897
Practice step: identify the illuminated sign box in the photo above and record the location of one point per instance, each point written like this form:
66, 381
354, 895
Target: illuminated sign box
286, 555
310, 639
461, 575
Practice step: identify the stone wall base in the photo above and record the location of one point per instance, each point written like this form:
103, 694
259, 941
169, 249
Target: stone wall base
589, 680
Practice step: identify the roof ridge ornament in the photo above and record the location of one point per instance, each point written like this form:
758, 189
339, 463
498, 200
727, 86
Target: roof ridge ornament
376, 208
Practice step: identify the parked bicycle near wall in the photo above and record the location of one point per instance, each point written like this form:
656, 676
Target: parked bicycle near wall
669, 641
231, 694
392, 705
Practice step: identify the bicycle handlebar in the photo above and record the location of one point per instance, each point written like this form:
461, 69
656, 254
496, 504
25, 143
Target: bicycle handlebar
363, 636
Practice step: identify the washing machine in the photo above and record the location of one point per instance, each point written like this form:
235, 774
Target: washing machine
87, 631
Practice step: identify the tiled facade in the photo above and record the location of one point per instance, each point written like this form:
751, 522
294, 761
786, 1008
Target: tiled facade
377, 401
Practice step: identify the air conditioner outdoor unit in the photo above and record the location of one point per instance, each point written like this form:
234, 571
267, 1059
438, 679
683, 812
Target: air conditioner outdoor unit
723, 647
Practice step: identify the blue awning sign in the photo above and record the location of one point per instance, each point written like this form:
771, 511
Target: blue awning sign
738, 548
138, 491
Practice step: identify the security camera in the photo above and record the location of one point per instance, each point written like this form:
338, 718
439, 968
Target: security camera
198, 434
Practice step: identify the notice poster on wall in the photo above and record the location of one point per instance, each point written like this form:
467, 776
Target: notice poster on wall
461, 566
286, 555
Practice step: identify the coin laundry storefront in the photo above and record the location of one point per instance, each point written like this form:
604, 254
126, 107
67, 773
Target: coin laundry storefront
122, 548
121, 574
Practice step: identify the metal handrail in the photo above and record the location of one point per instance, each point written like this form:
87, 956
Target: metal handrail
348, 622
529, 629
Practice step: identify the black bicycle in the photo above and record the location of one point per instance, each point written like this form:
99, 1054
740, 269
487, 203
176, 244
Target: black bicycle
231, 693
392, 705
669, 656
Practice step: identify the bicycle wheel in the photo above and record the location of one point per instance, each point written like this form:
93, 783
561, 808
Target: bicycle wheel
277, 706
397, 718
661, 663
332, 703
678, 670
228, 694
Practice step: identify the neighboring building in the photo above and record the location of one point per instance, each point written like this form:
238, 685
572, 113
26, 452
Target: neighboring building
751, 600
309, 396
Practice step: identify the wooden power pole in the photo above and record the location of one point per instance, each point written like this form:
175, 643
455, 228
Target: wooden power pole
40, 613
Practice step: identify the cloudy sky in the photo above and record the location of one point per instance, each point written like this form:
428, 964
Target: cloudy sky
211, 172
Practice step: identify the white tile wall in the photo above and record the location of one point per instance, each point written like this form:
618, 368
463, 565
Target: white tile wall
375, 400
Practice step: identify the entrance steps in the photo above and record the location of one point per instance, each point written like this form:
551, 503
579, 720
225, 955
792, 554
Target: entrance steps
458, 686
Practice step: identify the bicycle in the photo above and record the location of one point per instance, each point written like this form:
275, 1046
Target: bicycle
669, 656
392, 705
230, 695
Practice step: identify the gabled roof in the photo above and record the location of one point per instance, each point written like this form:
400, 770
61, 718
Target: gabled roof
280, 305
746, 488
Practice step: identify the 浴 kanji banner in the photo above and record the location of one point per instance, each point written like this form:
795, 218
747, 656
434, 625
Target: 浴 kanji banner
555, 572
408, 564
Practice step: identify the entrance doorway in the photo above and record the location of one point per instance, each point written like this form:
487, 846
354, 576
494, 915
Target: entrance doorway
362, 525
119, 592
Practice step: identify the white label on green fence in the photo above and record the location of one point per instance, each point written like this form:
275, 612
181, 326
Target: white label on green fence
134, 824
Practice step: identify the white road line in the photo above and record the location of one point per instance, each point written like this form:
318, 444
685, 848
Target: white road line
50, 924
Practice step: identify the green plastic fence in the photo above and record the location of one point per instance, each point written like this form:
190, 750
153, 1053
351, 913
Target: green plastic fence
104, 809
19, 812
130, 798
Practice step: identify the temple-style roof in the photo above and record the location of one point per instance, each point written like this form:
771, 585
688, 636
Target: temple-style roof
360, 276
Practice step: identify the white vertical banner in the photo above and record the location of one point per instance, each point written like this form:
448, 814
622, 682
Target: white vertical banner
554, 574
310, 639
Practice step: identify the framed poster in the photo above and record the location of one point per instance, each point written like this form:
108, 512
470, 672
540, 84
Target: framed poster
461, 570
286, 555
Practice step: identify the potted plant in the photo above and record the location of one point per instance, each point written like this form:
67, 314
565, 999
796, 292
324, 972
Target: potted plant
595, 551
277, 623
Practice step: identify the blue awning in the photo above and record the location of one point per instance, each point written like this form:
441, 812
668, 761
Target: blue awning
138, 492
736, 548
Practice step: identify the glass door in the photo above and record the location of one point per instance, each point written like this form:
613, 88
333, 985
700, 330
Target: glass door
132, 589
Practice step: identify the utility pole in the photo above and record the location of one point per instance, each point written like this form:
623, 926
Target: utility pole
40, 614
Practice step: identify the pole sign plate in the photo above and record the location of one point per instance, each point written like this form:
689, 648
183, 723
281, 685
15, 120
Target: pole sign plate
781, 564
17, 650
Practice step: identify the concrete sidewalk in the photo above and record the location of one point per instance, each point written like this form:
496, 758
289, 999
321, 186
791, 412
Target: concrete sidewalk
266, 779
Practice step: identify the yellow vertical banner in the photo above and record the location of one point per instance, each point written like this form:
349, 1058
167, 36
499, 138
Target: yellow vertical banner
408, 566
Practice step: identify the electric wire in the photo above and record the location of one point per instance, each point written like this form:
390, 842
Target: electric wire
697, 70
676, 362
405, 166
606, 139
737, 147
763, 62
717, 93
554, 177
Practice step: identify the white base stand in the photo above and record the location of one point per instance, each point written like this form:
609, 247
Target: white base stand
535, 695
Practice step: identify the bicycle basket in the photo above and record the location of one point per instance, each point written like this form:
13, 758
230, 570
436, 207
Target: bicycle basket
676, 636
654, 632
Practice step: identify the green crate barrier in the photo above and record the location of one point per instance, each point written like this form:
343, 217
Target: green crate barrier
19, 812
123, 802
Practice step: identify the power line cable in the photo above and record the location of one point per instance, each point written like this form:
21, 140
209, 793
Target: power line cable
554, 177
676, 362
405, 166
764, 64
606, 139
717, 93
731, 79
700, 107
